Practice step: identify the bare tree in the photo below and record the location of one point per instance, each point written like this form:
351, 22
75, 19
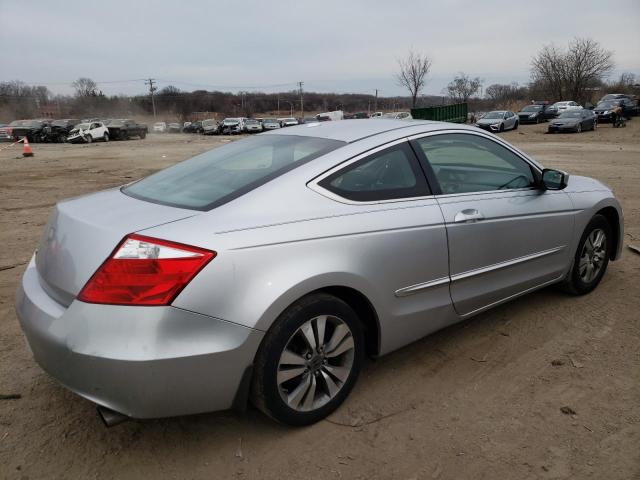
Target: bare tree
85, 87
462, 87
413, 72
567, 74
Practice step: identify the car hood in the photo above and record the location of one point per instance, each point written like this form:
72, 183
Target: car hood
489, 121
82, 232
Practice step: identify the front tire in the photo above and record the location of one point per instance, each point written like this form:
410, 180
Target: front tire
105, 137
308, 361
579, 128
88, 138
591, 258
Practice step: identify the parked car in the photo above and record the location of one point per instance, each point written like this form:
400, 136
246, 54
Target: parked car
58, 130
288, 122
532, 114
498, 121
124, 129
398, 115
159, 127
232, 126
252, 126
193, 127
89, 132
573, 121
176, 287
6, 133
34, 130
174, 128
609, 101
566, 105
310, 120
334, 115
210, 127
270, 124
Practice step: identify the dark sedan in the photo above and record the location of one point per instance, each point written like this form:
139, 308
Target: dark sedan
573, 121
532, 114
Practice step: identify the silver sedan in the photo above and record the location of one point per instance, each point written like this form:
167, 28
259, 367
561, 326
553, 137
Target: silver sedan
266, 270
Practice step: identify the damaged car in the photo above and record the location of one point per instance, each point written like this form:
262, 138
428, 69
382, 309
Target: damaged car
58, 130
88, 133
124, 129
34, 130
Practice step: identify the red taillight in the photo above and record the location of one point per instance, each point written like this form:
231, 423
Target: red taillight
145, 271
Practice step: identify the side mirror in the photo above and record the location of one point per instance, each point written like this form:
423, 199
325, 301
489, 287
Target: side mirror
554, 179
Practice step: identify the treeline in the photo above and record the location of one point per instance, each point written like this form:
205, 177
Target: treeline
18, 100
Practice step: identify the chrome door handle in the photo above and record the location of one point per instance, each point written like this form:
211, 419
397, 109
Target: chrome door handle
468, 215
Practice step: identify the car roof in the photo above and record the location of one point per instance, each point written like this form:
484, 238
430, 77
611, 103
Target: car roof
356, 129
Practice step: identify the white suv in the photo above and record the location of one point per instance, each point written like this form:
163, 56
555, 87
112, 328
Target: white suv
88, 132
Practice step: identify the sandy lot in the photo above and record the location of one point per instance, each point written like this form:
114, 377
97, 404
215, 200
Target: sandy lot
478, 400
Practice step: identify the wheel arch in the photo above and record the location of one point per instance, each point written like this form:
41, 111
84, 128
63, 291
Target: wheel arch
612, 216
350, 294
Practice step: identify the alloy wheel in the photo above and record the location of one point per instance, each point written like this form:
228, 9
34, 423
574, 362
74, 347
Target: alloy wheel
315, 363
592, 255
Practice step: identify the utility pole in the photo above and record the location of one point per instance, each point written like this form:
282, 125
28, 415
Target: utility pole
152, 89
375, 103
301, 100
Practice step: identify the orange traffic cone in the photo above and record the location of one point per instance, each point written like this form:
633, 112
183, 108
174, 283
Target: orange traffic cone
26, 151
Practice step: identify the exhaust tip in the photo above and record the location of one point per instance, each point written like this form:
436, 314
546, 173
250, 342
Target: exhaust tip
110, 417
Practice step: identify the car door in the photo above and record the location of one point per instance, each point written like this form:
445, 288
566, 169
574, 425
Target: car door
505, 235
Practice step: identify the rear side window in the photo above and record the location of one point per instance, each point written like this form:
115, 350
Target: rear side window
220, 175
392, 173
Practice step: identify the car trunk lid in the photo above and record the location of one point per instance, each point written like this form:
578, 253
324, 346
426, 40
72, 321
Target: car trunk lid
82, 232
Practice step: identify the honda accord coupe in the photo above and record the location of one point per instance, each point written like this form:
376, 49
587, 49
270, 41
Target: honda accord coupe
267, 269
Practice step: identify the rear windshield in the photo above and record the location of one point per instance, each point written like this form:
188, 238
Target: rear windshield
220, 175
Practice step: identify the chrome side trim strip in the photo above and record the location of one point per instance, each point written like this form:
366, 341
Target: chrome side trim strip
508, 263
418, 287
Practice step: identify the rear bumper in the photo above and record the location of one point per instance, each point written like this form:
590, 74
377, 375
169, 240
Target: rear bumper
144, 362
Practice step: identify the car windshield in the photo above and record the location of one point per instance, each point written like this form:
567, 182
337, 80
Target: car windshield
532, 108
571, 114
220, 175
491, 115
270, 120
160, 124
607, 105
207, 123
611, 96
116, 123
231, 120
251, 122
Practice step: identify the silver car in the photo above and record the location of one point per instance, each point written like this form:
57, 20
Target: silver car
498, 121
267, 269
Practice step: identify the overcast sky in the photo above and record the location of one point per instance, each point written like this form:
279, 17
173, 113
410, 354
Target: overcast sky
343, 46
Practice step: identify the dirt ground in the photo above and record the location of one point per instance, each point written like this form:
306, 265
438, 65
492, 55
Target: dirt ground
479, 400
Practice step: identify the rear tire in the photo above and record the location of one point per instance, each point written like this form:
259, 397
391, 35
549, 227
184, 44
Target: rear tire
515, 126
591, 258
298, 377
